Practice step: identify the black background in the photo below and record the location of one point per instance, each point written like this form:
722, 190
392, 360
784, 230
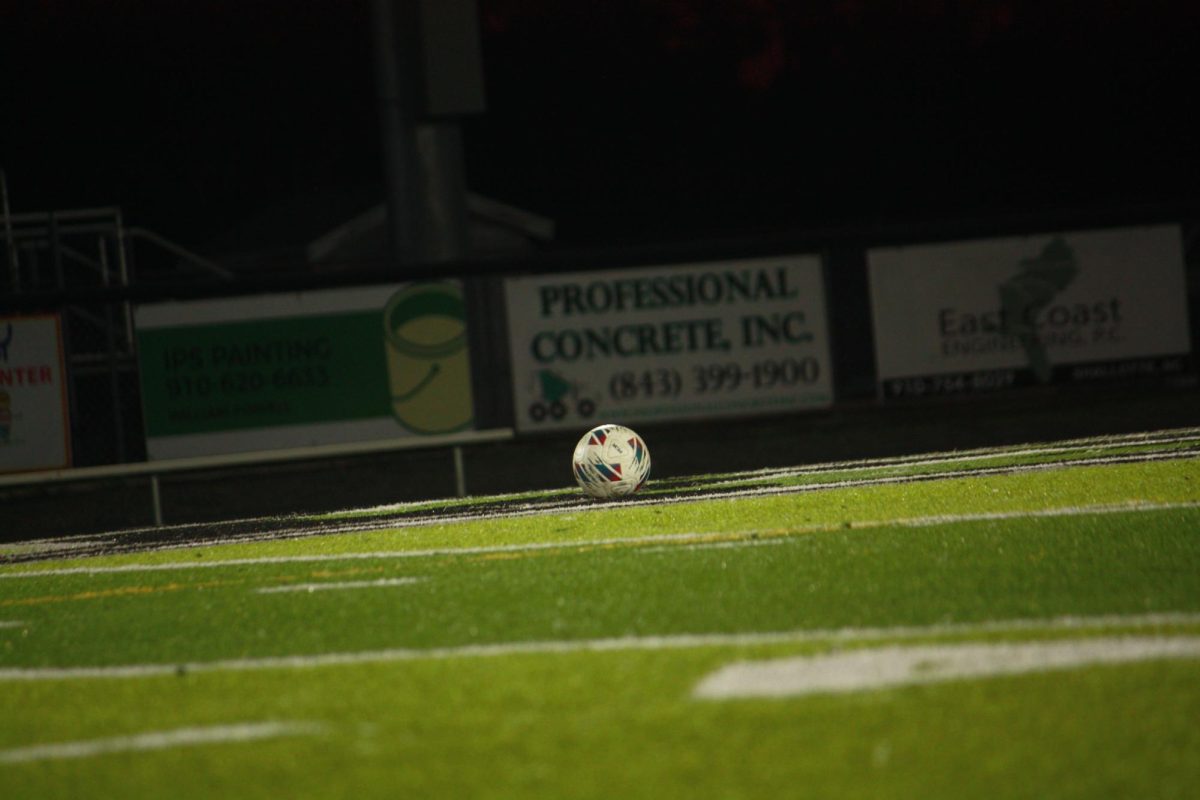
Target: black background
229, 125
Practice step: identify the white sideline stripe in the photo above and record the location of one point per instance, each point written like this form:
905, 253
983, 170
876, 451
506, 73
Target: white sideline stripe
931, 521
737, 544
1174, 436
888, 667
11, 623
888, 480
160, 740
987, 516
329, 587
667, 538
1112, 441
615, 644
979, 454
574, 506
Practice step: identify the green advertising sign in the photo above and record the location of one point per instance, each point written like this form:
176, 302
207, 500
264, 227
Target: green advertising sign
313, 368
297, 371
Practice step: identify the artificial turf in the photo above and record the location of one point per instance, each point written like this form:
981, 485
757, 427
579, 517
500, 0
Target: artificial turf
430, 711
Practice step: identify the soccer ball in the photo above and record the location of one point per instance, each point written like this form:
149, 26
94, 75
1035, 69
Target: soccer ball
611, 461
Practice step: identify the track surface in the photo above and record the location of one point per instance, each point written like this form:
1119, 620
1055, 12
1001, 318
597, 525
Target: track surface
1182, 443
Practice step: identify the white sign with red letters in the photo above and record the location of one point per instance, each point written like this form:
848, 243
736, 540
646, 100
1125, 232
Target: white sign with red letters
35, 432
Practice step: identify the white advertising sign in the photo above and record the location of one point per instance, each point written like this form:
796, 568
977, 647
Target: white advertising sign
991, 314
34, 428
719, 338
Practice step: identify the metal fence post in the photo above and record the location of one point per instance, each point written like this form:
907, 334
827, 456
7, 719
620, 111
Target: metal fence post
13, 264
156, 500
460, 478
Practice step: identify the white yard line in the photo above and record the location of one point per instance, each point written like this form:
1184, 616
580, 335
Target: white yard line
11, 623
160, 740
332, 587
690, 539
889, 667
624, 643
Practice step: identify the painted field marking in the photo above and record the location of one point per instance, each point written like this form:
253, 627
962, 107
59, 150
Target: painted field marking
853, 483
693, 538
93, 544
329, 587
160, 740
11, 623
614, 644
758, 538
1111, 441
889, 667
949, 457
118, 592
726, 544
578, 505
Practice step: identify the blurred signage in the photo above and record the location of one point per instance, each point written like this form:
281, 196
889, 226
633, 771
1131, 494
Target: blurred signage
309, 368
34, 429
992, 314
701, 340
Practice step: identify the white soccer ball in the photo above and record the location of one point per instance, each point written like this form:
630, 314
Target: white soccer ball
611, 461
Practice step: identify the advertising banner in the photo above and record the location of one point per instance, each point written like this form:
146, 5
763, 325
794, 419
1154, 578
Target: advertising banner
35, 432
698, 340
310, 368
992, 314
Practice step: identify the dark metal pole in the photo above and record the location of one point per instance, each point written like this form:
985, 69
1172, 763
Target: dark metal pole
110, 349
123, 274
393, 27
444, 207
60, 282
428, 75
13, 269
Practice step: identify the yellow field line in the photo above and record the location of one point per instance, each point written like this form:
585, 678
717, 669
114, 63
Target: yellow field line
104, 594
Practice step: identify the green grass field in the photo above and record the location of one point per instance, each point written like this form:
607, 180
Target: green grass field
1022, 622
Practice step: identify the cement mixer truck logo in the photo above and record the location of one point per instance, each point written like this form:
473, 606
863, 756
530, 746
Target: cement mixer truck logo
429, 369
555, 396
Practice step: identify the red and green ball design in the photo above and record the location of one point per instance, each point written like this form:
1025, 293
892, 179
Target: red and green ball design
611, 461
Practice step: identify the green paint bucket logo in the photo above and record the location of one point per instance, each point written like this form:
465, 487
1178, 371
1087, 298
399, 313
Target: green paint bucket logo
429, 368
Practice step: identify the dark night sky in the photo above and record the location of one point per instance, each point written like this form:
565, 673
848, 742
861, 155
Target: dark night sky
627, 119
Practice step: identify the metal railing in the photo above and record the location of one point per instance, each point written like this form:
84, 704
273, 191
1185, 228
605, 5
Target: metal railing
155, 469
85, 250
